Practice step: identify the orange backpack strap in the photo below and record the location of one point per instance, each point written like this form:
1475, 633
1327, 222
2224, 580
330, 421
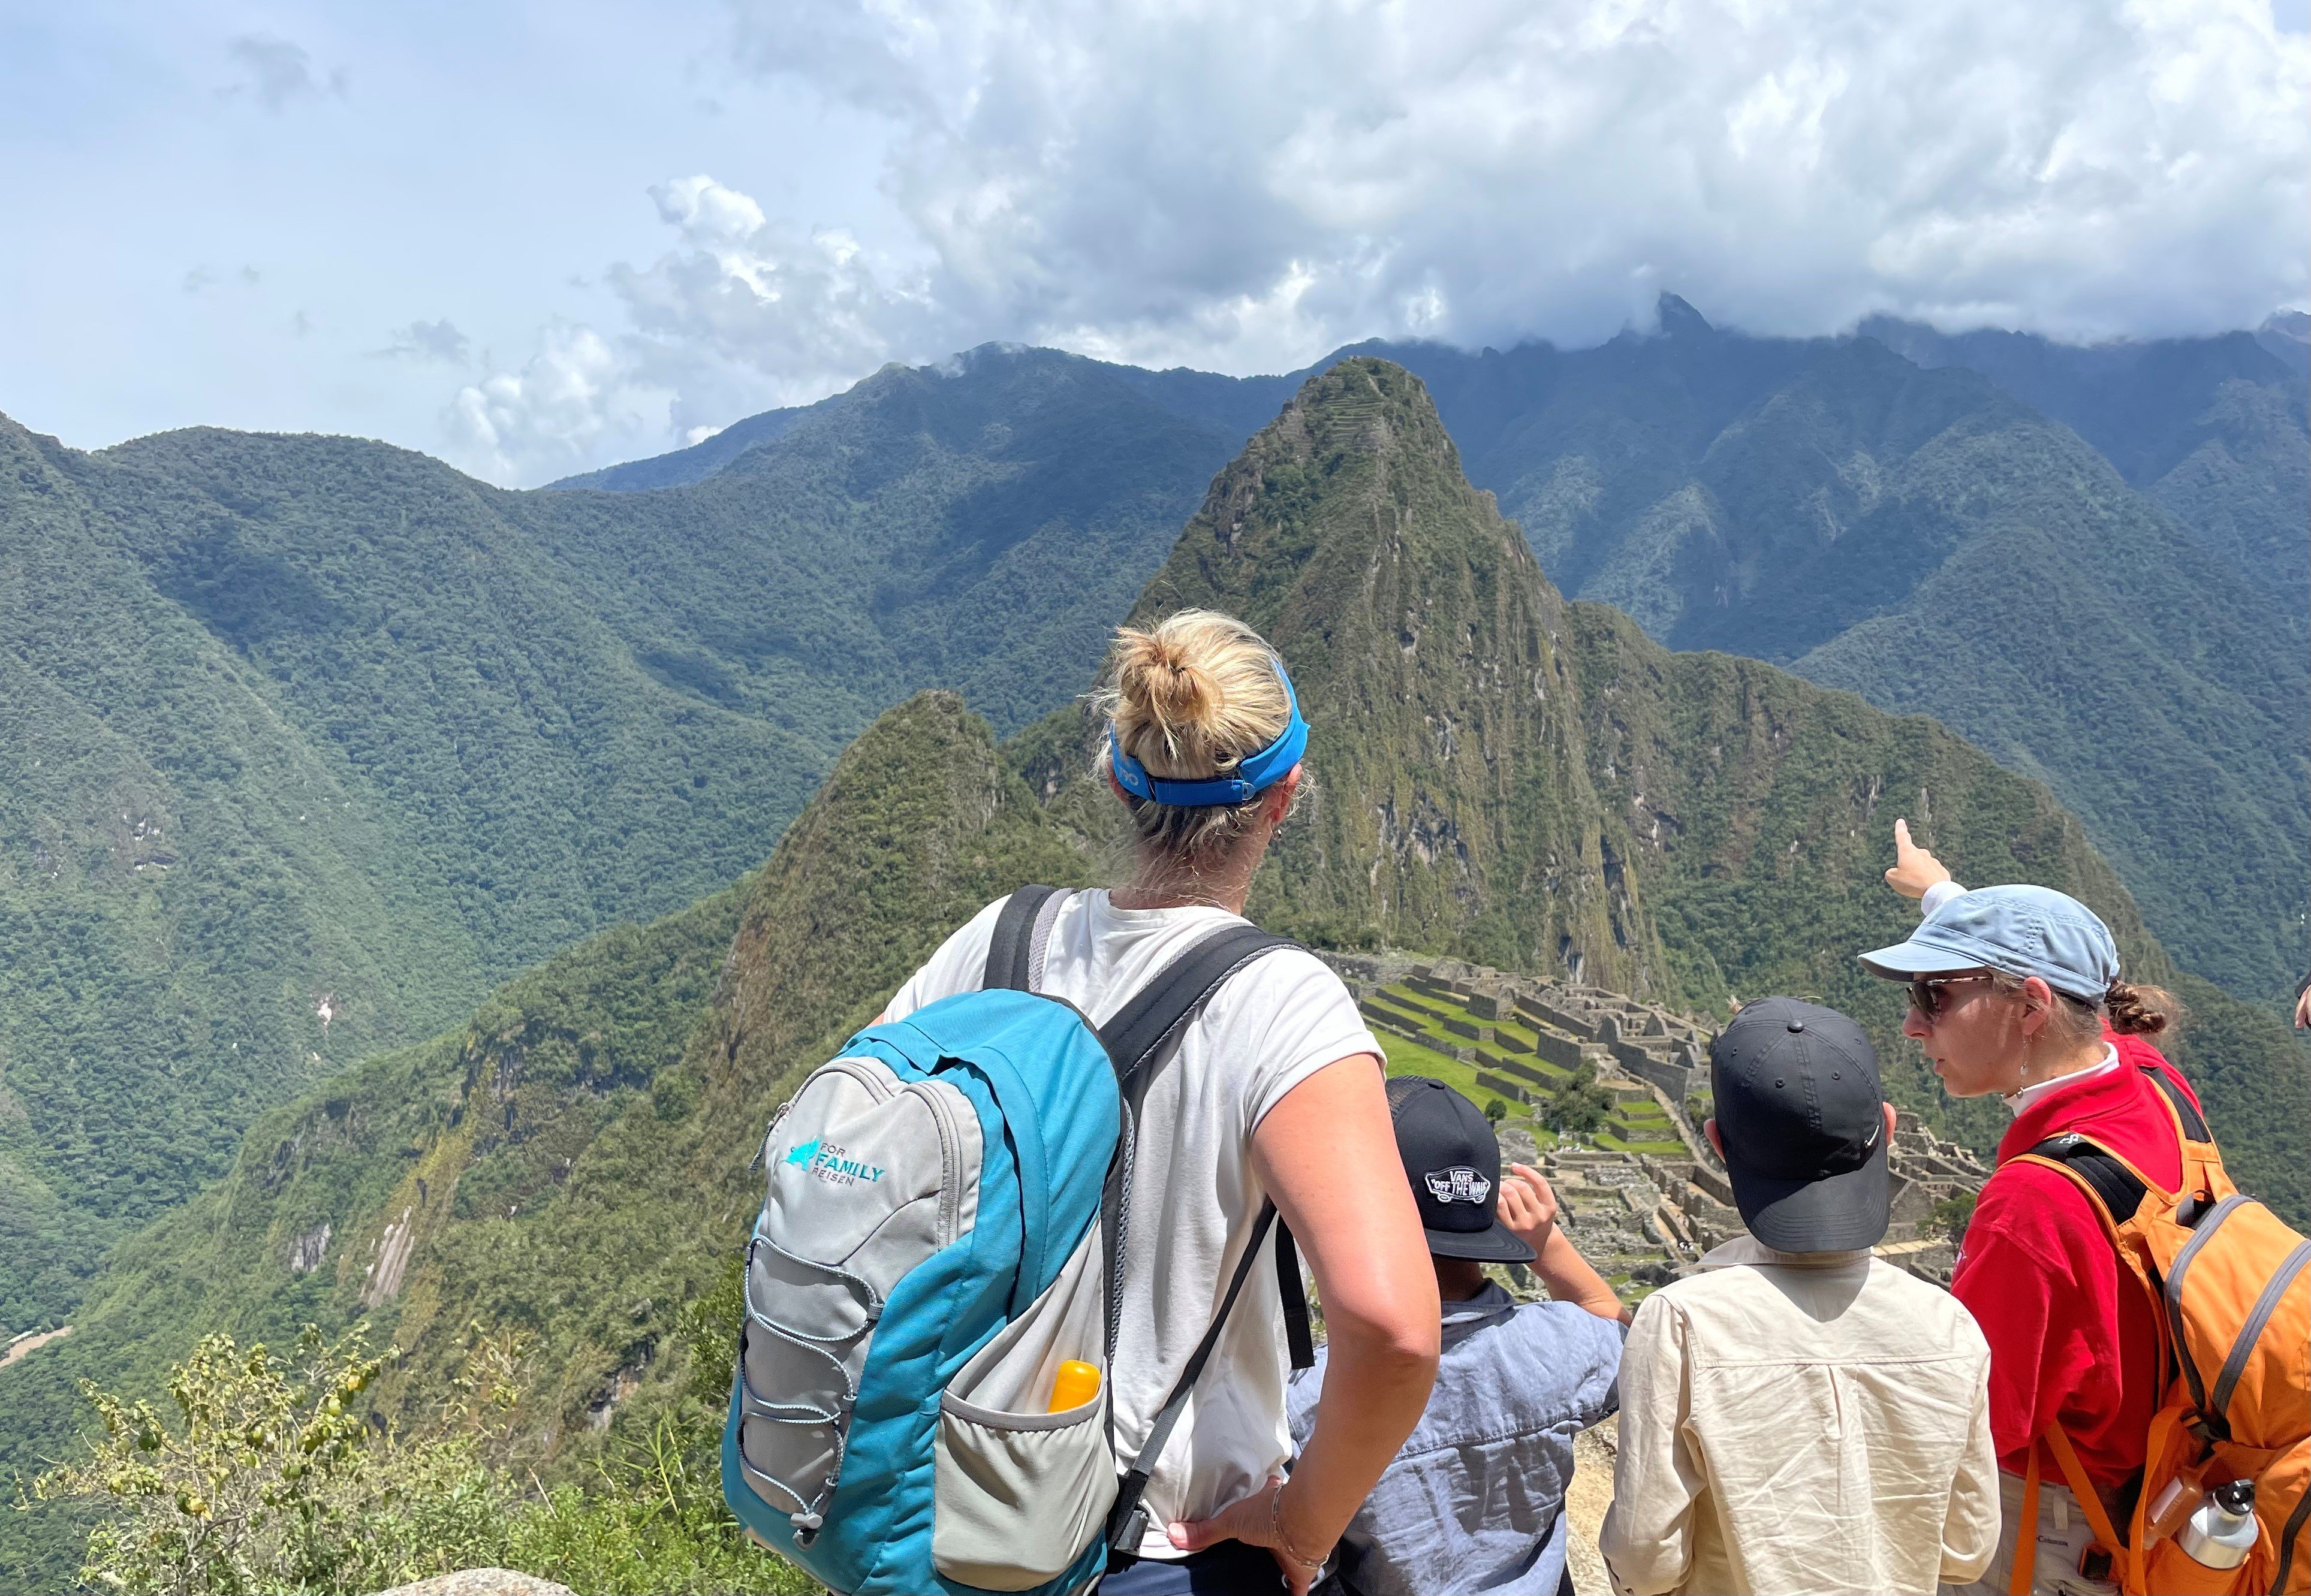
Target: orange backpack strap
2018, 1578
2074, 1474
2172, 1308
2021, 1577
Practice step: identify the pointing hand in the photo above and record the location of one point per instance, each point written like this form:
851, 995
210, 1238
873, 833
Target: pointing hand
1914, 870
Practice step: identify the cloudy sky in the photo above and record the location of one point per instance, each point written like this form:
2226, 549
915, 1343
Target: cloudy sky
532, 239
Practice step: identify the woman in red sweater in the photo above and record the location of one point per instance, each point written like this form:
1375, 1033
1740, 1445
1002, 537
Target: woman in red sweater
2015, 990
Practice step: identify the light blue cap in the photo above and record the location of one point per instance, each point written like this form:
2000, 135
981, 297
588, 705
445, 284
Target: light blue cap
2021, 931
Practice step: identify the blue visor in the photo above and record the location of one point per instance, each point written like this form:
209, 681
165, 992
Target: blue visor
1254, 774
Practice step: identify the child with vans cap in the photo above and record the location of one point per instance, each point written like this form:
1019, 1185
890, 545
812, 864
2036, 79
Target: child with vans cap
1475, 1500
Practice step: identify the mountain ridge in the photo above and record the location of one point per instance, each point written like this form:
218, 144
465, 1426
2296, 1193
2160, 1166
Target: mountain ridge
570, 1163
535, 713
1673, 473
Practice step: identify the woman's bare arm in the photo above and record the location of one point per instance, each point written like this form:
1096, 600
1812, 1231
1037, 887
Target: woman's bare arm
1327, 1154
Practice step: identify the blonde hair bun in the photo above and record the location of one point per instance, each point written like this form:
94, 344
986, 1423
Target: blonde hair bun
1190, 699
1169, 688
1193, 694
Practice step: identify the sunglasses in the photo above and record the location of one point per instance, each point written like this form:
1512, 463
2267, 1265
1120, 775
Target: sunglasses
1927, 992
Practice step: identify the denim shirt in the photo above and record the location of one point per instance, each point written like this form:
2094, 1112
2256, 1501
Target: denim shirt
1475, 1500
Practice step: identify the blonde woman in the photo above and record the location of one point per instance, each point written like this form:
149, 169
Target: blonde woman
1272, 1092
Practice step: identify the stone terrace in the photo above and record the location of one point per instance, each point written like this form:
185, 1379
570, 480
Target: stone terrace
1644, 1196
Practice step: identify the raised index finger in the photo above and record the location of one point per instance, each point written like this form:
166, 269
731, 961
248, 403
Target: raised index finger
1902, 844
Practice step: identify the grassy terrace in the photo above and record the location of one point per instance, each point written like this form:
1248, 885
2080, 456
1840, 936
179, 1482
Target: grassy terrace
1423, 1013
1635, 1127
1409, 1057
1428, 1014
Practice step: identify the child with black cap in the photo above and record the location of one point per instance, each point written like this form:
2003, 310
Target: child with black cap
1798, 1415
1474, 1500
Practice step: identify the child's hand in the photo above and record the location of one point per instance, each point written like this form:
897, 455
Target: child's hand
1528, 1206
1914, 870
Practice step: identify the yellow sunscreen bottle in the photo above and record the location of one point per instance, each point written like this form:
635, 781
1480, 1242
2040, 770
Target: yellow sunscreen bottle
1076, 1384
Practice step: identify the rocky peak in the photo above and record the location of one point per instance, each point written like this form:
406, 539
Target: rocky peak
1450, 804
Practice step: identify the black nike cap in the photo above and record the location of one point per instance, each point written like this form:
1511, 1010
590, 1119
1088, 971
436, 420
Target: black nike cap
1454, 1166
1803, 1122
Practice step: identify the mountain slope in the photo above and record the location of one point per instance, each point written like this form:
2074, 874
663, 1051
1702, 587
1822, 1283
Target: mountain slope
976, 525
1538, 785
308, 746
573, 1163
2211, 428
315, 740
1928, 541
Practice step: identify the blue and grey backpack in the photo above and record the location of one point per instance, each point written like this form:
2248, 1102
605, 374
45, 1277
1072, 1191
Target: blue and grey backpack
947, 1202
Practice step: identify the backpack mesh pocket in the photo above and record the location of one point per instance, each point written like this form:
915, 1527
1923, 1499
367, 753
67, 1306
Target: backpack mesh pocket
1020, 1491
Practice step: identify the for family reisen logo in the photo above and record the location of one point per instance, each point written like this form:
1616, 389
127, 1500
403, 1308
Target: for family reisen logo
831, 1165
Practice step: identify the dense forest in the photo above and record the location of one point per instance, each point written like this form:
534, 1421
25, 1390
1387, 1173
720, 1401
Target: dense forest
1495, 771
313, 741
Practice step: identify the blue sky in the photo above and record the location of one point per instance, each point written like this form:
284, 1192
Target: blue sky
533, 239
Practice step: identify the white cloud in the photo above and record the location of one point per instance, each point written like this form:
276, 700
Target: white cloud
428, 341
277, 72
575, 397
1214, 182
1242, 187
743, 314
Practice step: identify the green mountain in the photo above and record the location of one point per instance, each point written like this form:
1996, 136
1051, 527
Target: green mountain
2087, 561
1925, 538
313, 741
977, 526
1537, 785
305, 747
2211, 428
1495, 771
573, 1163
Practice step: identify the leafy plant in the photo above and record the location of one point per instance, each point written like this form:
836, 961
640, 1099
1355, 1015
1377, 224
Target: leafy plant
1950, 1218
1580, 1105
270, 1475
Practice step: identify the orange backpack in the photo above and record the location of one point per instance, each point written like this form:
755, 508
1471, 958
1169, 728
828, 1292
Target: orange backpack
2230, 1288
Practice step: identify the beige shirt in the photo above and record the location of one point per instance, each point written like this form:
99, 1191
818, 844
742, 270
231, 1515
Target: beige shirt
1794, 1423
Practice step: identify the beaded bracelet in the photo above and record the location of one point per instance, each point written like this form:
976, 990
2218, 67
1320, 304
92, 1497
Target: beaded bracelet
1276, 1531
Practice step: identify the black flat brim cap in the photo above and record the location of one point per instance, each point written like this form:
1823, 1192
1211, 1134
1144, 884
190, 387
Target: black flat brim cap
1831, 1214
1491, 1245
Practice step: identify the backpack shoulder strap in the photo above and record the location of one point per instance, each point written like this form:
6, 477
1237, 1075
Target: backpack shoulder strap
1139, 1030
1011, 961
2192, 1123
1135, 1039
2107, 1178
1127, 1520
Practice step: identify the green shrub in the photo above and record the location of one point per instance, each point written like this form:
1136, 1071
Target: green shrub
1580, 1105
269, 1475
1950, 1218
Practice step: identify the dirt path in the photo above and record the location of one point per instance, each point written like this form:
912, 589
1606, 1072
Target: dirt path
1585, 1503
28, 1343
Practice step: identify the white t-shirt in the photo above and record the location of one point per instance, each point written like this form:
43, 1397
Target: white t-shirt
1194, 1197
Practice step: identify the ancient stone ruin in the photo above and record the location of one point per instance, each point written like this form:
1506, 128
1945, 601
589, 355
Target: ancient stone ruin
1644, 1196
